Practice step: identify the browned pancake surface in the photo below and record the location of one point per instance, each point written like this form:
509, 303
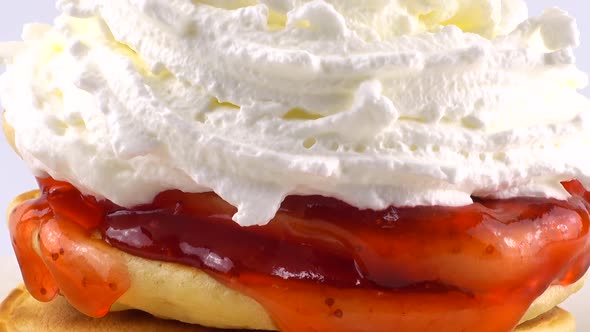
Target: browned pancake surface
21, 313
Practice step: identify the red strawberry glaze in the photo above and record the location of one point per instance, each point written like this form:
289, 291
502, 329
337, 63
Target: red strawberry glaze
320, 264
68, 259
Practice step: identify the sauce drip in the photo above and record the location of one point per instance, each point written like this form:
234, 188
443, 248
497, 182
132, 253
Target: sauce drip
322, 265
57, 253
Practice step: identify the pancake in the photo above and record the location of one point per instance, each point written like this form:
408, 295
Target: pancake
21, 313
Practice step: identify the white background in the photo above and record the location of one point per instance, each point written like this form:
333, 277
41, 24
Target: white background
15, 178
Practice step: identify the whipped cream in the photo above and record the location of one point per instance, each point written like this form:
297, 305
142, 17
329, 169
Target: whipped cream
377, 103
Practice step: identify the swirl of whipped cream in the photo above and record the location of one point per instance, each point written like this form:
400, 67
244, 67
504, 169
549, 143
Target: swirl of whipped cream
377, 103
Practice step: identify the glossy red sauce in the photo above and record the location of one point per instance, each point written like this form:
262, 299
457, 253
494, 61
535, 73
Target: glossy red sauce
53, 240
322, 265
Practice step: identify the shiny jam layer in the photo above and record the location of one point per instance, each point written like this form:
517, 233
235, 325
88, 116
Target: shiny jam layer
320, 264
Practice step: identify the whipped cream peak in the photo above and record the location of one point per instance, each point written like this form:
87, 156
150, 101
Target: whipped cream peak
559, 30
323, 19
376, 103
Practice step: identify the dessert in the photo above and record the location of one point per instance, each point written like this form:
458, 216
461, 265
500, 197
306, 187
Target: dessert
303, 165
